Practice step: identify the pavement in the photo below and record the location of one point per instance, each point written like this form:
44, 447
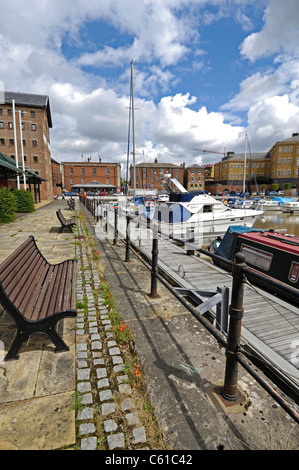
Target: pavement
183, 364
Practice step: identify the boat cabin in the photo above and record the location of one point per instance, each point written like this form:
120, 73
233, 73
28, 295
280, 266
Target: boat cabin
273, 254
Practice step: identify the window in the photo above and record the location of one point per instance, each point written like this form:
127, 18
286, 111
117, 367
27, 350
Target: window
94, 171
32, 113
283, 173
278, 173
34, 143
294, 272
24, 143
2, 141
290, 161
256, 257
35, 158
71, 171
33, 127
280, 150
279, 161
290, 149
1, 125
71, 181
284, 161
1, 112
107, 181
11, 142
82, 180
9, 112
107, 172
285, 149
10, 125
83, 171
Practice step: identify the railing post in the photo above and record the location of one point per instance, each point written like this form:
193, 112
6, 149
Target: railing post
106, 214
236, 311
154, 271
115, 226
128, 252
190, 237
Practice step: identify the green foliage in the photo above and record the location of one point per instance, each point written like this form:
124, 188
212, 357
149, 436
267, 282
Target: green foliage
275, 187
8, 205
24, 199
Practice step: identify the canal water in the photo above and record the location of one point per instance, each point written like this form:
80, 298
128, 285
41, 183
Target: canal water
286, 223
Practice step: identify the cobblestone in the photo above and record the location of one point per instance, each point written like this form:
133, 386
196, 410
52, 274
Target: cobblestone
100, 369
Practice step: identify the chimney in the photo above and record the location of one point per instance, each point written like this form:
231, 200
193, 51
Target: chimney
295, 134
156, 160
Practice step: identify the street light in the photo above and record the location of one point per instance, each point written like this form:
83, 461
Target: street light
15, 140
22, 148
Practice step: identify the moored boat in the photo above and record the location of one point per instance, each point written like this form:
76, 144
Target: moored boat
276, 204
199, 213
291, 207
272, 254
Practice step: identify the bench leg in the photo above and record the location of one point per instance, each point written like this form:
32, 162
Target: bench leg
69, 227
57, 340
16, 344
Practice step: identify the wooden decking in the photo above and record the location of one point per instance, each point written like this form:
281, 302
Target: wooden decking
270, 326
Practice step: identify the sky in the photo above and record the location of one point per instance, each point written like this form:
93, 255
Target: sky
205, 74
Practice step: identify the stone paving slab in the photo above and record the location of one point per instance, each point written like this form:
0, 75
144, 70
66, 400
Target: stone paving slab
36, 391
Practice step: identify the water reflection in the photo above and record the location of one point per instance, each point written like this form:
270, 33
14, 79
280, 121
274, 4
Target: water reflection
287, 223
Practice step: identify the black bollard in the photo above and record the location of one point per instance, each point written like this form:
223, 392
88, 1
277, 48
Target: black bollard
236, 312
115, 226
128, 252
154, 271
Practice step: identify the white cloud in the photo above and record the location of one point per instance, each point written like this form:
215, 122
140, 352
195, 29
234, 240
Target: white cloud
90, 110
280, 31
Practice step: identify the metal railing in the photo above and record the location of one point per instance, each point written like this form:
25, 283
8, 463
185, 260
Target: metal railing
229, 390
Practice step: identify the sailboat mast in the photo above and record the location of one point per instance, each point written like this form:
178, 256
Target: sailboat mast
245, 156
133, 131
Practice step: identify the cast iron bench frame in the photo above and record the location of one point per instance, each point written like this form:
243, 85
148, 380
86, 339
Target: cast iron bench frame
65, 223
37, 294
71, 203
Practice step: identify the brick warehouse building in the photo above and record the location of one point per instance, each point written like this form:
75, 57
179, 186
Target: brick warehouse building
33, 112
81, 173
148, 175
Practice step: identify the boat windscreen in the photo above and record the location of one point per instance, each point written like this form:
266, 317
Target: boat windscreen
172, 213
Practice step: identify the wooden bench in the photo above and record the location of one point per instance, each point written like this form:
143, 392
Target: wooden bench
37, 294
65, 223
71, 203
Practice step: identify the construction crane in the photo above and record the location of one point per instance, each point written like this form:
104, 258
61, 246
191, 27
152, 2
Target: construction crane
211, 151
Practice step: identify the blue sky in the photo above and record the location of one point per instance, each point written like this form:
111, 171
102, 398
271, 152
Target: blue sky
206, 72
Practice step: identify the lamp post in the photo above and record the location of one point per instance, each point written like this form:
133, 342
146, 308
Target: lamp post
15, 140
22, 149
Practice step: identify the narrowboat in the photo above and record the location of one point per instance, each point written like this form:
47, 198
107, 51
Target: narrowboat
271, 254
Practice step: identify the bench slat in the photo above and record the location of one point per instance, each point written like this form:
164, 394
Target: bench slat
74, 283
27, 309
19, 273
31, 288
35, 315
8, 275
8, 262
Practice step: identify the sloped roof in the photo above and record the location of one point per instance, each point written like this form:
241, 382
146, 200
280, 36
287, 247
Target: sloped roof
29, 100
9, 163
